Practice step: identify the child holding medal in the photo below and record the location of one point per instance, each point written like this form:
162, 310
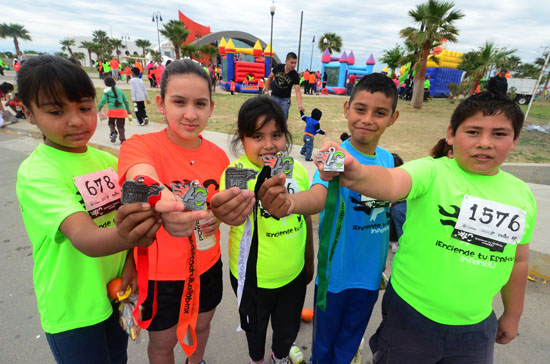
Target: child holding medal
465, 239
69, 196
176, 157
270, 259
353, 229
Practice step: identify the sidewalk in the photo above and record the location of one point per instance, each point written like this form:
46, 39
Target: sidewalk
539, 260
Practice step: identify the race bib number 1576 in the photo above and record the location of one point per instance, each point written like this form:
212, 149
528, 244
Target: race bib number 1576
489, 224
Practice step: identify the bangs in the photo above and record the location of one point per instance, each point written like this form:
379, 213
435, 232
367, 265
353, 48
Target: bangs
48, 79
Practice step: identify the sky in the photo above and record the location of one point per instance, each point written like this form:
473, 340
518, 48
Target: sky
366, 26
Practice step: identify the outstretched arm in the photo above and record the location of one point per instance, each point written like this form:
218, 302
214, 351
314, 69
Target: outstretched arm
513, 294
279, 203
389, 184
268, 82
299, 97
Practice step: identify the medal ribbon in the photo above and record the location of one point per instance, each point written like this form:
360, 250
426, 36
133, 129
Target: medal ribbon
323, 256
142, 268
247, 307
189, 307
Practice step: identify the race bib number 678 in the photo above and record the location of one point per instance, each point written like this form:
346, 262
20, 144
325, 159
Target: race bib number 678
100, 191
489, 224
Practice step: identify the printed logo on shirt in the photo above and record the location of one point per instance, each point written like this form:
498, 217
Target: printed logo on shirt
370, 206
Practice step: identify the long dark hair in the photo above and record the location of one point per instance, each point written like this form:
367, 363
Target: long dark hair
110, 82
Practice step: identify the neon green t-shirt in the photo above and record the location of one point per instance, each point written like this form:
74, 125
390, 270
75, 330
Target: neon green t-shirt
281, 242
70, 286
448, 280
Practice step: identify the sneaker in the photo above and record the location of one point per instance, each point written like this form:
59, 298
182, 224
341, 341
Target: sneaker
145, 121
309, 160
284, 360
113, 137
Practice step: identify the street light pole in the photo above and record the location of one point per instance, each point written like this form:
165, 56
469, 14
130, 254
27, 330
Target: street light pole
156, 17
272, 11
311, 59
126, 37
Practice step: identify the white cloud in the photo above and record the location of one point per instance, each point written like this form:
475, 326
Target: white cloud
365, 26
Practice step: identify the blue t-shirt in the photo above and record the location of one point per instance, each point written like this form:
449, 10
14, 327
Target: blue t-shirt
312, 125
360, 255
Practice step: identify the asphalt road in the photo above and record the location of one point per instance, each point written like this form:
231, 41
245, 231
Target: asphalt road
23, 341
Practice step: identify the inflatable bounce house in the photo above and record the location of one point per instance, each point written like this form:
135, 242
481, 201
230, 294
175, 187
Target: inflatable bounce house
337, 74
443, 73
245, 74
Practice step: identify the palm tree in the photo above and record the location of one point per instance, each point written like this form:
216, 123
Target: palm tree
143, 44
89, 46
177, 33
155, 55
436, 19
105, 48
15, 31
210, 51
333, 42
190, 51
79, 55
476, 64
117, 43
393, 57
66, 45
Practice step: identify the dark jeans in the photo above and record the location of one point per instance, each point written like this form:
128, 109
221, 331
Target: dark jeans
139, 109
406, 336
285, 104
119, 125
307, 149
284, 306
105, 342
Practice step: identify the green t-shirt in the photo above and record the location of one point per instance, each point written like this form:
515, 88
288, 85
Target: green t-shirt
70, 286
281, 242
446, 279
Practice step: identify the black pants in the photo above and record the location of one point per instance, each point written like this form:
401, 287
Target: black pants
139, 109
284, 306
119, 125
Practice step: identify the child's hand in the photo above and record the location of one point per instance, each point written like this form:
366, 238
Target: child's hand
275, 197
176, 221
352, 168
211, 225
137, 223
507, 329
232, 206
129, 274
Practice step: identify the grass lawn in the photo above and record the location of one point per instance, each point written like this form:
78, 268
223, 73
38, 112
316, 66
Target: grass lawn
412, 136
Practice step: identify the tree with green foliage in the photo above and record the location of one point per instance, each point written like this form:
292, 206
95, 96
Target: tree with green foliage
143, 44
190, 51
393, 57
66, 45
90, 47
477, 63
527, 70
15, 31
117, 44
333, 43
105, 47
79, 55
209, 51
436, 22
176, 32
155, 55
61, 54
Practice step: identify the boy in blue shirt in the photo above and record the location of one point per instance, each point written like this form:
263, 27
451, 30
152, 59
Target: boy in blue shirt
312, 127
353, 271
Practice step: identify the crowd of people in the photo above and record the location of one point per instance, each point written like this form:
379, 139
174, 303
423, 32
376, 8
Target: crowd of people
465, 237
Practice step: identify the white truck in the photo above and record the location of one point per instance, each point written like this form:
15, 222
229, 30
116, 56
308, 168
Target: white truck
523, 89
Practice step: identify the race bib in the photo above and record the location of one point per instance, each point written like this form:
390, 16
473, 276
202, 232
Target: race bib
489, 224
292, 186
100, 191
